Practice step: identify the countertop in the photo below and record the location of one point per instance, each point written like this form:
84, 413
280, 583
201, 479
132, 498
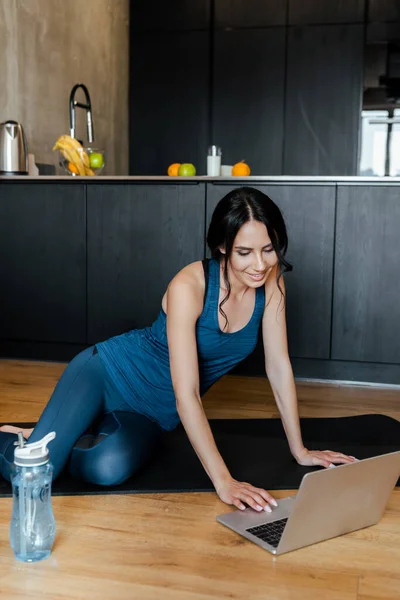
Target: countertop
250, 179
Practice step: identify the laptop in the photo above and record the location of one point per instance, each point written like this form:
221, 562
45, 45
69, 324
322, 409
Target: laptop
330, 502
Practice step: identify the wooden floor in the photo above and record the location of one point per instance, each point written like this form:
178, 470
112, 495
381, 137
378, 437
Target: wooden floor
156, 546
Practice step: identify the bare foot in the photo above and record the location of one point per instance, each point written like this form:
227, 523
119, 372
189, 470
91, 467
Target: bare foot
11, 429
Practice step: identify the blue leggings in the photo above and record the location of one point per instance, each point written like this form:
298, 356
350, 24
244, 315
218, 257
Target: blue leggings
120, 440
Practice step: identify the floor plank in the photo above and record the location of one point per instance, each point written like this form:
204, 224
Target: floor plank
373, 587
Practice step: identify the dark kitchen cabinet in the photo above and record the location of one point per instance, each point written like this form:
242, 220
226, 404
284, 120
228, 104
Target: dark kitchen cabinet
383, 10
323, 100
174, 15
309, 212
249, 13
43, 262
305, 12
139, 237
248, 100
169, 92
366, 307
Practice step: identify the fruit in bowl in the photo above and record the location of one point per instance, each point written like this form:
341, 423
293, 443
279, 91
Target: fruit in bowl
77, 160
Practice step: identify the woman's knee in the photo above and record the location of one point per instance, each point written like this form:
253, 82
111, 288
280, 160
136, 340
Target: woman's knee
111, 472
101, 465
125, 442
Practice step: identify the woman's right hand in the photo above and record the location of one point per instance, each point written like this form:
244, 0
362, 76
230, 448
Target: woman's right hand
236, 492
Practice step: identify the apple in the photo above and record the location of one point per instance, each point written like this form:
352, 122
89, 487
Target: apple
96, 160
187, 170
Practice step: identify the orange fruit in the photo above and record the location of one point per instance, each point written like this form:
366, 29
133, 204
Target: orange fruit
173, 169
73, 168
240, 169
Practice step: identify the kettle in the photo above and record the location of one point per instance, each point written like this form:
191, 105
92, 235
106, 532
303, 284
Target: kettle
13, 149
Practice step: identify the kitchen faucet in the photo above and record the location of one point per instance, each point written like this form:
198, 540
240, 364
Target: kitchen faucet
88, 107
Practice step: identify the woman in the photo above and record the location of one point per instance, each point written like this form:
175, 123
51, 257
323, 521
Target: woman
132, 387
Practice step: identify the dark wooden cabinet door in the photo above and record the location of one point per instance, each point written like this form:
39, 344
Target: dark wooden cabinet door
43, 262
248, 98
169, 90
323, 100
249, 13
309, 212
172, 15
304, 12
139, 237
383, 10
366, 307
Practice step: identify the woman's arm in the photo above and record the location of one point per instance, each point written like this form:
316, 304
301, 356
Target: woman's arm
280, 375
277, 362
184, 306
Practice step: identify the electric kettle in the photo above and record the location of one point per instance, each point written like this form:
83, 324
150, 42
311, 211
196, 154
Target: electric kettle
13, 149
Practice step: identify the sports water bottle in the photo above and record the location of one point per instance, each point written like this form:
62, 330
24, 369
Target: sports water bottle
32, 528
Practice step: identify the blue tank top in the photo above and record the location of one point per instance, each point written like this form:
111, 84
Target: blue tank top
137, 362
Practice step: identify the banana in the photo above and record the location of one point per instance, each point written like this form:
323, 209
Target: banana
85, 159
67, 140
74, 144
75, 157
72, 151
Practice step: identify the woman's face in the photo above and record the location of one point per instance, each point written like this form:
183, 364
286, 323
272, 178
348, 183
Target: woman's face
252, 254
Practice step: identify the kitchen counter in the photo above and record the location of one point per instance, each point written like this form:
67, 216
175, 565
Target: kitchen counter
206, 179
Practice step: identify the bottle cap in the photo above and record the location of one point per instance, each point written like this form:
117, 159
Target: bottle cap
214, 151
32, 455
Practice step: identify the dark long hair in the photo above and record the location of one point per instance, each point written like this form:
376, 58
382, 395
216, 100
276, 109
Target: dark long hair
234, 210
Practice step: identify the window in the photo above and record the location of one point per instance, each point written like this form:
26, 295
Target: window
380, 143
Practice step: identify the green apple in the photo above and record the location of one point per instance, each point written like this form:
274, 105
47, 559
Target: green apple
187, 170
96, 160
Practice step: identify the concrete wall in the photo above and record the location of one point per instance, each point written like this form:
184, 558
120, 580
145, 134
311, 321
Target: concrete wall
46, 46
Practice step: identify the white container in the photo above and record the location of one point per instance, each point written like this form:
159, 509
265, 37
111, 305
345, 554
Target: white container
226, 170
214, 161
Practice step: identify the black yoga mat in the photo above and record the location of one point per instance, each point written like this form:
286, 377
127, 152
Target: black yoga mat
255, 450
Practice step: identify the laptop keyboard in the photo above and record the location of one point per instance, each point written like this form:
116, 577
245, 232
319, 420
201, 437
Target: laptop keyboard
270, 533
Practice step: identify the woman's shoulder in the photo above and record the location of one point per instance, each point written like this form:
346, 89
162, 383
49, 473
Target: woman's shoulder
191, 276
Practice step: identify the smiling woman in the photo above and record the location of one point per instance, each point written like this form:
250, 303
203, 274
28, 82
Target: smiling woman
115, 399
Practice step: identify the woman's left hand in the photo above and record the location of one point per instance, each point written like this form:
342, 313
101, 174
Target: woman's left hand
324, 458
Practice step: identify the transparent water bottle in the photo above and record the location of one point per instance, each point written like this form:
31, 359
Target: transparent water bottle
32, 527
